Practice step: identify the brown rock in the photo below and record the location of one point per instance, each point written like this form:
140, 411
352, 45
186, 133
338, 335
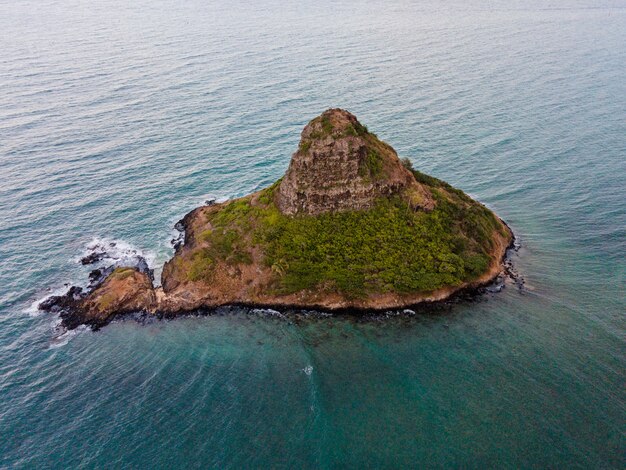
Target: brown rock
340, 166
125, 290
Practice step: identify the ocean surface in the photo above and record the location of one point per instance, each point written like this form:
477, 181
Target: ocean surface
117, 118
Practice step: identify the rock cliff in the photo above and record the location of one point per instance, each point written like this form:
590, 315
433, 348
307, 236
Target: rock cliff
340, 166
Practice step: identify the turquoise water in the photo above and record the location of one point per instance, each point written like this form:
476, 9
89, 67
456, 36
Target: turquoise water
116, 119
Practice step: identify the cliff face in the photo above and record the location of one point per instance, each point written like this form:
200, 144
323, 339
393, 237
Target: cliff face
340, 166
124, 290
348, 226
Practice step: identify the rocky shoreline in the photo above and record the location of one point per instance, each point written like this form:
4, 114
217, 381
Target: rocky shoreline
68, 306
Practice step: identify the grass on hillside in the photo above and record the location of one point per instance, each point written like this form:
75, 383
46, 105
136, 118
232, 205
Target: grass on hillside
388, 248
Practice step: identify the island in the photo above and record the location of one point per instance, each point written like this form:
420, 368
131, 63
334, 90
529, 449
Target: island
350, 226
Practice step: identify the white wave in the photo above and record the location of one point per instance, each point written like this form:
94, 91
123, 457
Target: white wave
267, 311
33, 309
308, 370
116, 251
64, 336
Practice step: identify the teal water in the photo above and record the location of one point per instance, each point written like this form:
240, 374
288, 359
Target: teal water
116, 118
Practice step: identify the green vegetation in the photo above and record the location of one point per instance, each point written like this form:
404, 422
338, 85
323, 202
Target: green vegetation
327, 126
355, 130
360, 128
437, 183
201, 266
226, 240
372, 165
267, 195
350, 131
122, 273
387, 248
106, 301
407, 163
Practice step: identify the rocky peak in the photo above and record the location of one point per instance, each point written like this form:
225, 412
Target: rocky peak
340, 165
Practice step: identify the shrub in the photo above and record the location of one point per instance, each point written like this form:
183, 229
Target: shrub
372, 165
406, 162
201, 266
360, 129
122, 273
387, 248
350, 131
327, 127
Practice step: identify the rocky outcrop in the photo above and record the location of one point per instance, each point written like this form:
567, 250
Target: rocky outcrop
124, 290
341, 166
349, 226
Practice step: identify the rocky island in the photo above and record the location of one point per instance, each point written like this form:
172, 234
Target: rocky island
349, 226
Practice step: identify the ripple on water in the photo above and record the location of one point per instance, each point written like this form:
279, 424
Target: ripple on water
118, 118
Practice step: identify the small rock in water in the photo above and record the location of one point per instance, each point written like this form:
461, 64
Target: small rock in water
179, 226
178, 242
142, 265
75, 292
97, 276
59, 302
92, 258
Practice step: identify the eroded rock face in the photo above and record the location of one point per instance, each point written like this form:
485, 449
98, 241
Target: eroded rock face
339, 166
124, 290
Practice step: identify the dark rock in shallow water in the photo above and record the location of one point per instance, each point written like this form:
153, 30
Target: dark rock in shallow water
178, 242
72, 319
58, 303
129, 277
92, 258
181, 227
97, 276
142, 267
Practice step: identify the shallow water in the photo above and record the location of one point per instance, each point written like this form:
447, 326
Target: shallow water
117, 119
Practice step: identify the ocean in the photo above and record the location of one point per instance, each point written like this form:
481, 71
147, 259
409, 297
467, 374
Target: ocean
117, 118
